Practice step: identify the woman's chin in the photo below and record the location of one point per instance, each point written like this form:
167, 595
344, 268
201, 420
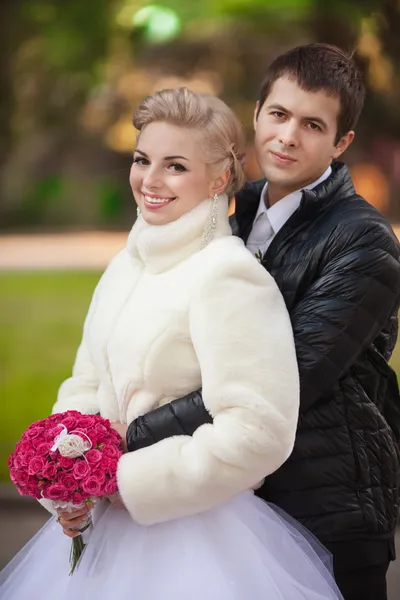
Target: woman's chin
161, 216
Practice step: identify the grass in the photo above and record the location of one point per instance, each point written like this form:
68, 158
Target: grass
41, 319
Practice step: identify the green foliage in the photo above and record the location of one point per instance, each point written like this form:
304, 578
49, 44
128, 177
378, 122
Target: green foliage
73, 70
212, 9
111, 200
40, 195
74, 34
271, 8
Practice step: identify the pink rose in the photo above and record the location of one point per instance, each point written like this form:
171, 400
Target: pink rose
68, 481
46, 437
117, 438
92, 435
56, 491
43, 449
32, 490
36, 441
49, 470
54, 429
17, 462
21, 477
99, 474
111, 451
111, 487
77, 498
81, 469
112, 469
115, 441
69, 422
13, 475
93, 456
56, 417
14, 461
36, 465
33, 432
102, 433
106, 463
27, 456
92, 486
66, 464
84, 422
25, 446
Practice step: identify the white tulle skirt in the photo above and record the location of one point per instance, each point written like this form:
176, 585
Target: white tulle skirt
241, 550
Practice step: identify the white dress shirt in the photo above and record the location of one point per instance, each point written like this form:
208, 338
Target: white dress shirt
268, 221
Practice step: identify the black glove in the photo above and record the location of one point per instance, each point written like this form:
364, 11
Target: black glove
180, 417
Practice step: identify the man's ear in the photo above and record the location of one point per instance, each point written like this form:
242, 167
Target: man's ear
255, 117
220, 183
343, 144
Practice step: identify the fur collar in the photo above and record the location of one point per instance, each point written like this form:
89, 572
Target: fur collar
161, 247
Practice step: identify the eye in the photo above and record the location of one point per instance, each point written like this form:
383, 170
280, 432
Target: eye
313, 126
140, 160
278, 114
176, 167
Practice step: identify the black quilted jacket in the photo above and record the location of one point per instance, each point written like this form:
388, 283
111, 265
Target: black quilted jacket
336, 261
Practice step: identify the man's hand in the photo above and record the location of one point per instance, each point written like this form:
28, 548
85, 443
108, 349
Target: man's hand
121, 428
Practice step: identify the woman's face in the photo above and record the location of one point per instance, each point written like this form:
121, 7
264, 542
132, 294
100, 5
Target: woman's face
169, 176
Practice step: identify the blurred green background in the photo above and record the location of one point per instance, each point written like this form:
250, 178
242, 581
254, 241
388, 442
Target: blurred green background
71, 74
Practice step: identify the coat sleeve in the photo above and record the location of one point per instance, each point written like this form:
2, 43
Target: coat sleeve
79, 392
357, 291
242, 336
180, 417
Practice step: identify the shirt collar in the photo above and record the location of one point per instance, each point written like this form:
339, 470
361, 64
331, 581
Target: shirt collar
279, 213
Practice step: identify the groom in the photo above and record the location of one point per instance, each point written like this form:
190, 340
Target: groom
336, 261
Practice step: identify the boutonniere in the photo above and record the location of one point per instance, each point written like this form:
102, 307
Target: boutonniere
259, 257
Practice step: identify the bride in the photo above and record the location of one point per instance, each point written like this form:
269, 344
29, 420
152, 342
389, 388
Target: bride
184, 305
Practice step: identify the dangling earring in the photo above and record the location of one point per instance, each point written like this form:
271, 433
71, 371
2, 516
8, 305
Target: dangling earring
138, 212
211, 223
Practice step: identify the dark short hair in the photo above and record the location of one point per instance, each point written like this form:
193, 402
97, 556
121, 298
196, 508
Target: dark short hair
321, 67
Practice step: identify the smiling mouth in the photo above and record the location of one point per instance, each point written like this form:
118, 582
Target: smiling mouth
157, 200
284, 157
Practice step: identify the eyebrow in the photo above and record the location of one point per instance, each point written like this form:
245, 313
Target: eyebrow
165, 157
285, 110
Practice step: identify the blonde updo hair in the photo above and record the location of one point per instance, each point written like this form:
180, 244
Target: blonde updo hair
223, 140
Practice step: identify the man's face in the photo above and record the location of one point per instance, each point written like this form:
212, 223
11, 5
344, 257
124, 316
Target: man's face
295, 135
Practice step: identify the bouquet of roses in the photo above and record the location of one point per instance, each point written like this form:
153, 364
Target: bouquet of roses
69, 458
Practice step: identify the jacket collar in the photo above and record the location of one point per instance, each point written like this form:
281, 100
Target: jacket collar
336, 187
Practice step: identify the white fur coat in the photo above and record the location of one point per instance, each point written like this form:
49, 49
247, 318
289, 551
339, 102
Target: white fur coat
167, 318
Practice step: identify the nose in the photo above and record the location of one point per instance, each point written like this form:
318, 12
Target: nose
288, 135
152, 178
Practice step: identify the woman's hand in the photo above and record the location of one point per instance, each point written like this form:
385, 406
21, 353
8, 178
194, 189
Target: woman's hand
121, 428
116, 501
72, 521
